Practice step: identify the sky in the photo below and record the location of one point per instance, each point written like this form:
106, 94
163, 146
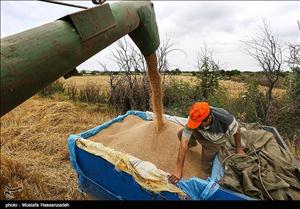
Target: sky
222, 25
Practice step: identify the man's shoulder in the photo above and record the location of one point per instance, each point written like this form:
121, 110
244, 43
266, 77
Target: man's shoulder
219, 110
222, 115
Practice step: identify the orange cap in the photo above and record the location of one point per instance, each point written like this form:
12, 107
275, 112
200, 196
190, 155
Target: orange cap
198, 112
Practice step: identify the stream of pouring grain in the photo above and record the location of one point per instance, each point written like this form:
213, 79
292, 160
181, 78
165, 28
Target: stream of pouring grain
156, 89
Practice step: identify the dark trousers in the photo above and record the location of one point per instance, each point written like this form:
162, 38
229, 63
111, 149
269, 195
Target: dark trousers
209, 149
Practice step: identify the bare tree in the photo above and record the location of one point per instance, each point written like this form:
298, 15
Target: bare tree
138, 61
124, 56
293, 60
294, 89
267, 51
113, 76
164, 49
132, 75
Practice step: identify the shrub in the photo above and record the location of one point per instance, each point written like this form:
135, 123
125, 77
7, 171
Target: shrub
92, 94
55, 87
126, 95
221, 99
178, 96
238, 78
250, 106
233, 72
89, 93
71, 91
286, 111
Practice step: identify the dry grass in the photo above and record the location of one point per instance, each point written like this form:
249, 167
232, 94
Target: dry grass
101, 81
234, 88
294, 145
34, 153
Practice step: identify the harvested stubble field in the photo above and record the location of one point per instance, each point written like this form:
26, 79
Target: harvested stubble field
34, 152
102, 82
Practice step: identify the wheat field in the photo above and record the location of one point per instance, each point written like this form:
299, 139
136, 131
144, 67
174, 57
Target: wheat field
233, 88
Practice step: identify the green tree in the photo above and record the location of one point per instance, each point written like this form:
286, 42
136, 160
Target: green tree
177, 71
208, 73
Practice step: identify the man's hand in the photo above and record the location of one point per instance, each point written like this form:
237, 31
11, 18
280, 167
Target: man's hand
174, 178
240, 151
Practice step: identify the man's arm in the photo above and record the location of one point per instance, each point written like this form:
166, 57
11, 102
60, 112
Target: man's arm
176, 176
237, 139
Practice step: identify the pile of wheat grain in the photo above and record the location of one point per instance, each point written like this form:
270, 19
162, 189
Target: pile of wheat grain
139, 138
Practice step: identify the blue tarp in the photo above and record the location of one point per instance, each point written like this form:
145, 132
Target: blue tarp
199, 189
195, 188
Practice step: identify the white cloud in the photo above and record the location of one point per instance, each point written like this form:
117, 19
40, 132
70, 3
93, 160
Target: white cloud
222, 25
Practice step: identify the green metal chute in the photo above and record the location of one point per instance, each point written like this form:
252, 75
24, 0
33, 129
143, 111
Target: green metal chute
33, 59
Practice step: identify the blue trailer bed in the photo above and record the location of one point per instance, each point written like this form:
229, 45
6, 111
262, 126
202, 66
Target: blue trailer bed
100, 179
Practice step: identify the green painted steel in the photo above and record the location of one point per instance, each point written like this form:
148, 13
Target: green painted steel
33, 59
146, 31
96, 20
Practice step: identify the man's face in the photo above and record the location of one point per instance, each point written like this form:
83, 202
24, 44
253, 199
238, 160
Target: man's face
206, 122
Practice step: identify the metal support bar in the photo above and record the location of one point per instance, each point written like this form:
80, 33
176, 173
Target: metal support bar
73, 72
98, 1
64, 4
